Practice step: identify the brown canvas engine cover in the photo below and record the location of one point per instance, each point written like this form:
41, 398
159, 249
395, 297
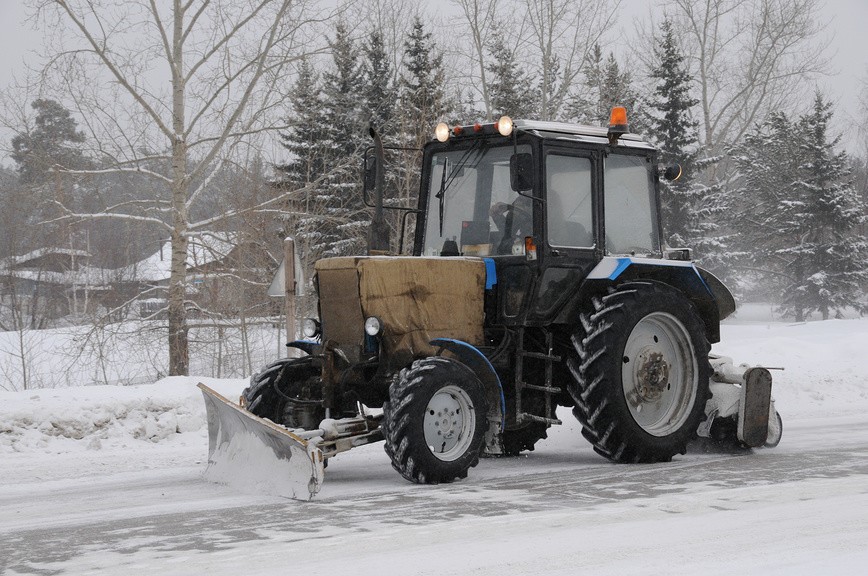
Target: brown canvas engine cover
417, 299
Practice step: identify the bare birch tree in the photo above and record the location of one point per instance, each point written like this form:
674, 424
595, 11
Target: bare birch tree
393, 19
170, 91
863, 116
481, 18
749, 58
553, 38
561, 35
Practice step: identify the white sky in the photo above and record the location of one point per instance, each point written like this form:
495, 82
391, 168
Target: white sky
848, 30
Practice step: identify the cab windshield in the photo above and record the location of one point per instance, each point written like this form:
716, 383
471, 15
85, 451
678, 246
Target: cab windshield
472, 210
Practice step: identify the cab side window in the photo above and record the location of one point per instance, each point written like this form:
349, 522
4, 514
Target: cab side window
569, 201
631, 213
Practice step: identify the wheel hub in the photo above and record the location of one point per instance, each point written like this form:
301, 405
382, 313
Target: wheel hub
659, 373
448, 423
652, 375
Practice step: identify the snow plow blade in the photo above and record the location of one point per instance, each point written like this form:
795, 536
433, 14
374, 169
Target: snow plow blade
256, 454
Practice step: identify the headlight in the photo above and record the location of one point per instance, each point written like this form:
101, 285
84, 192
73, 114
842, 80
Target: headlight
373, 326
442, 132
310, 328
504, 125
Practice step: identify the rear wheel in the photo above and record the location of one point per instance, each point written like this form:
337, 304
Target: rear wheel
518, 438
640, 373
524, 438
434, 421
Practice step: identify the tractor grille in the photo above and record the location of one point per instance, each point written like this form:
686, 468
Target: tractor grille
339, 302
417, 299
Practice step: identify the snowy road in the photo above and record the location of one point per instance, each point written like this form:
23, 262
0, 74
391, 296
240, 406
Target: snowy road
800, 508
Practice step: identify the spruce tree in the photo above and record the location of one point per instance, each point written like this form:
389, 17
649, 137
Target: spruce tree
423, 103
584, 106
606, 85
511, 88
345, 220
343, 95
829, 261
674, 131
423, 99
379, 91
801, 213
53, 141
305, 140
766, 214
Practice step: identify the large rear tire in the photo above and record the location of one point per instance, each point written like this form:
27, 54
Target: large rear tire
523, 437
641, 373
435, 420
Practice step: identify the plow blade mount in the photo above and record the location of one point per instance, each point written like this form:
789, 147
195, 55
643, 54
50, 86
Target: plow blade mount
258, 455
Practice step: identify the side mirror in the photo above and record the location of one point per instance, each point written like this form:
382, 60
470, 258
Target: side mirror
521, 172
672, 172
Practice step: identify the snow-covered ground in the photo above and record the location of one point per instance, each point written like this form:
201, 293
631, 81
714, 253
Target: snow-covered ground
107, 479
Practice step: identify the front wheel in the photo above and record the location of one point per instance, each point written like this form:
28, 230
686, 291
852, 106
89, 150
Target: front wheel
287, 393
435, 420
641, 373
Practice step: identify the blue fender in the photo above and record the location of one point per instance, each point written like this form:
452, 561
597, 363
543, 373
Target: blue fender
712, 298
474, 359
309, 347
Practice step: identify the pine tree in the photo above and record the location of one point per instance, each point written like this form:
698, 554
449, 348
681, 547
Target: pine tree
675, 132
305, 140
606, 85
52, 142
511, 88
379, 92
346, 220
423, 99
829, 262
423, 103
801, 213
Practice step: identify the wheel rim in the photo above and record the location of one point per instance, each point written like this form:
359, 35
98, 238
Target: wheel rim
659, 373
449, 423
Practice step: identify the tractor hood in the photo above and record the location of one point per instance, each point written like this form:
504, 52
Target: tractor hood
416, 299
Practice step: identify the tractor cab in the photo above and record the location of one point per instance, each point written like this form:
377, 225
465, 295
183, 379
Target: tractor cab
545, 201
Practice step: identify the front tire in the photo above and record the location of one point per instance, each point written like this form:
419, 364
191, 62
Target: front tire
285, 392
641, 373
435, 420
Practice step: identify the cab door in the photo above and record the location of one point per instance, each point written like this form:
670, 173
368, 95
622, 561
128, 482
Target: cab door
570, 227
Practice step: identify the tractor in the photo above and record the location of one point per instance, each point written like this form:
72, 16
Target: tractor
537, 279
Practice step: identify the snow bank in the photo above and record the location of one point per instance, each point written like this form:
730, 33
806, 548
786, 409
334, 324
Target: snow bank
825, 375
825, 369
96, 417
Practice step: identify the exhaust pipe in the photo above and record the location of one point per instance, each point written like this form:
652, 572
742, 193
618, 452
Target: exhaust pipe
378, 236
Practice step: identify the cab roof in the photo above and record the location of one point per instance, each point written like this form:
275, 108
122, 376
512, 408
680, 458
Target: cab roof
578, 133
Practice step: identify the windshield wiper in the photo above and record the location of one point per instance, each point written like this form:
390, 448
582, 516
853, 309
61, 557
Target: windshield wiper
442, 193
447, 178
